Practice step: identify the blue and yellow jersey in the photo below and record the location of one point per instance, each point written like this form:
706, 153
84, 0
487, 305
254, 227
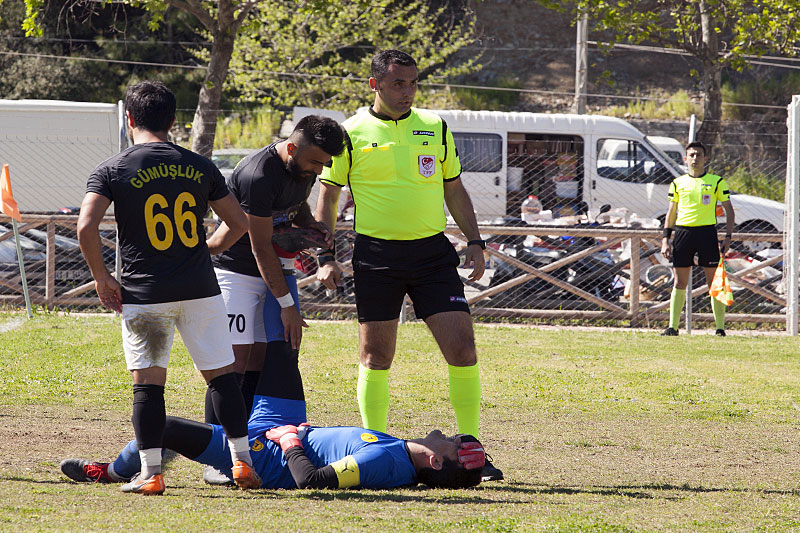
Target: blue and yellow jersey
361, 458
396, 171
697, 198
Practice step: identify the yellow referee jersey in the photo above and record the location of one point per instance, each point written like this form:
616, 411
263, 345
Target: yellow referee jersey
396, 171
697, 198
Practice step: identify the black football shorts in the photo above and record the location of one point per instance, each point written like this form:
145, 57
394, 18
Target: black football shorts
695, 240
385, 271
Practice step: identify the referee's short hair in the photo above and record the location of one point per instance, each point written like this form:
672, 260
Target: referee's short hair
319, 131
386, 58
151, 104
697, 144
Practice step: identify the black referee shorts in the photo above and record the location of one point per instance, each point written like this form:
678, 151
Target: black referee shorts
691, 240
425, 269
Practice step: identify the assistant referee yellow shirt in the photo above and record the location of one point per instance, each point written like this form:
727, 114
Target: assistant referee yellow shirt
396, 171
697, 198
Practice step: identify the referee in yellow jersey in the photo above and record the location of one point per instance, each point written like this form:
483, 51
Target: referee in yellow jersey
692, 217
402, 167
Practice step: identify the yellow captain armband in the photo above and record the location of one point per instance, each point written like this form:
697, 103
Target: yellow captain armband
347, 472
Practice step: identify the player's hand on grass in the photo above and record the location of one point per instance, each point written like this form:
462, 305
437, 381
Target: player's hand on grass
109, 292
330, 275
285, 436
293, 325
473, 256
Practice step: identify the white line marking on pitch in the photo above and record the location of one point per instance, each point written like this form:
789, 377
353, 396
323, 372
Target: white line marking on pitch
11, 324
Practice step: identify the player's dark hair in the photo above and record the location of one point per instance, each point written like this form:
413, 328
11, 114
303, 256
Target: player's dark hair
453, 475
151, 104
319, 131
386, 58
697, 144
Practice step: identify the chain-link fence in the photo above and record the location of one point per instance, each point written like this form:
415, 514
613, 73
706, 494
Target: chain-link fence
571, 208
57, 275
588, 248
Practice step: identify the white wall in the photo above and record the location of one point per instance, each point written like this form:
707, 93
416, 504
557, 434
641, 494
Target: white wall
51, 147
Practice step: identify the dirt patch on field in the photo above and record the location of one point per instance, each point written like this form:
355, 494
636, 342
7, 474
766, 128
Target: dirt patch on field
33, 442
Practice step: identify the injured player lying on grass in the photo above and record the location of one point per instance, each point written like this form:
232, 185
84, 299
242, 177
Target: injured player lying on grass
292, 456
288, 453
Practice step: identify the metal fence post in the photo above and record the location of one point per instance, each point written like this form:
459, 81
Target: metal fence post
689, 303
792, 210
636, 244
50, 268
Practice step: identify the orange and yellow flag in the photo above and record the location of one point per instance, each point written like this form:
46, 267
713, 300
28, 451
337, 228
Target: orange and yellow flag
7, 203
720, 286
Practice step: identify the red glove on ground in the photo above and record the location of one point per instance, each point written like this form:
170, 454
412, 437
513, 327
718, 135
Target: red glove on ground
285, 436
471, 455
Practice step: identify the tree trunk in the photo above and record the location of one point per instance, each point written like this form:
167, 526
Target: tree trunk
204, 126
712, 80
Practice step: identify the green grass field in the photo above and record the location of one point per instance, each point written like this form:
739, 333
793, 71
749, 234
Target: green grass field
596, 430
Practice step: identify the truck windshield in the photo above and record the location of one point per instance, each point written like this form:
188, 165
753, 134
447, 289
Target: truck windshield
634, 162
672, 163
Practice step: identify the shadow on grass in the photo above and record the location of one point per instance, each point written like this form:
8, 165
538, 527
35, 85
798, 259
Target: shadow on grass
422, 494
630, 491
366, 496
417, 495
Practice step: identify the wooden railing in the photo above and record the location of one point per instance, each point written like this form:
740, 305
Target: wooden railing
632, 309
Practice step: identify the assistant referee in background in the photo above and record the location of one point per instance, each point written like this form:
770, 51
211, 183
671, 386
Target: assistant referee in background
692, 217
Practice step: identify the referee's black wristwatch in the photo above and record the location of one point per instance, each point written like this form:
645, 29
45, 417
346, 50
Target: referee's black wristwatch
479, 242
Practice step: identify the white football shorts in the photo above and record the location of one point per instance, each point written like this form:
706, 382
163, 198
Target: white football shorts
244, 302
148, 331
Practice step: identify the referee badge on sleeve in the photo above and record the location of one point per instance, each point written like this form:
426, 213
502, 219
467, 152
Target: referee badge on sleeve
427, 165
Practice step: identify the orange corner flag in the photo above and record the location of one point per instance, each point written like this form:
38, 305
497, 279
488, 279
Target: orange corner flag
7, 203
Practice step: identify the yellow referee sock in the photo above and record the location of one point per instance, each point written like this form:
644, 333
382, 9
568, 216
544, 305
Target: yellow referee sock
719, 313
373, 397
465, 397
676, 301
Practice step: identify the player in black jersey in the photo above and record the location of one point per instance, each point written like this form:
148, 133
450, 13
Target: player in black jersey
161, 193
256, 274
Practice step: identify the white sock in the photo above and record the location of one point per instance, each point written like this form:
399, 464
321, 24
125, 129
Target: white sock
113, 474
240, 449
151, 462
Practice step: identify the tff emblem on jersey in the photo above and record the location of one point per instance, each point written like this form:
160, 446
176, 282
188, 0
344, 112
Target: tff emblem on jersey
427, 165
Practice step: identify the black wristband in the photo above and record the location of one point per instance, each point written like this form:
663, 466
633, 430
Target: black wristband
667, 232
325, 258
479, 242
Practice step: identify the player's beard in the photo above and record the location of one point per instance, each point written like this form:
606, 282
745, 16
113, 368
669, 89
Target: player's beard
298, 174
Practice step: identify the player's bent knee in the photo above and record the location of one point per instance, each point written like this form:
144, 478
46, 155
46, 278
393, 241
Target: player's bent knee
464, 357
375, 361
